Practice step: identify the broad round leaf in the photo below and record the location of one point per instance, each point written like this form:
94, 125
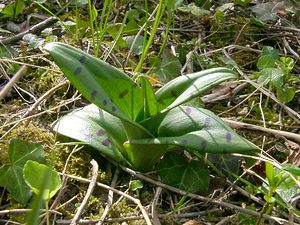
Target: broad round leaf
11, 175
41, 178
176, 170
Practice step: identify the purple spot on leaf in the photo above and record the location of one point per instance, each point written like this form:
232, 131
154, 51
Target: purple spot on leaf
224, 151
104, 102
87, 136
77, 71
207, 122
82, 58
184, 142
106, 142
123, 93
228, 137
174, 94
101, 132
188, 110
94, 93
203, 144
161, 102
113, 109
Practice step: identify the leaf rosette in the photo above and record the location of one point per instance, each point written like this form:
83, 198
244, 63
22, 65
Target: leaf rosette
134, 126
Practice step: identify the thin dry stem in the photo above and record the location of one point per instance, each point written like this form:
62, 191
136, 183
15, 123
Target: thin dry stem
134, 200
88, 193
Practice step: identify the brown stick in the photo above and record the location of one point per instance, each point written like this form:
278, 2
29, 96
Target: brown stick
91, 187
240, 125
12, 81
36, 29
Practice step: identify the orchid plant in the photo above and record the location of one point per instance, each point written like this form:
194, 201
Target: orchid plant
135, 126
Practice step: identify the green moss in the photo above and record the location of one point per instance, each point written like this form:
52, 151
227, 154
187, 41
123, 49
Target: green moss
46, 80
16, 217
28, 132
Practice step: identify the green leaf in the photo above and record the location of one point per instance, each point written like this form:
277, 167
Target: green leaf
264, 11
270, 173
195, 10
168, 68
33, 41
242, 2
285, 94
287, 188
286, 64
268, 57
97, 128
187, 87
137, 45
114, 31
35, 175
176, 170
11, 175
269, 199
272, 75
150, 102
257, 22
268, 50
227, 164
134, 185
14, 9
293, 169
144, 155
265, 61
197, 129
102, 84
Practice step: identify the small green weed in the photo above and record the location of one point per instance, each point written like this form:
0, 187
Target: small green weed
276, 73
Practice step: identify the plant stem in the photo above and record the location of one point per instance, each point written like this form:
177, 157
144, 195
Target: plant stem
92, 25
77, 21
47, 212
101, 29
267, 209
159, 14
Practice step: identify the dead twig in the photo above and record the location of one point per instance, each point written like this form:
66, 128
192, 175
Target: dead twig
12, 81
110, 198
36, 29
46, 95
241, 125
153, 206
123, 219
23, 211
134, 200
88, 193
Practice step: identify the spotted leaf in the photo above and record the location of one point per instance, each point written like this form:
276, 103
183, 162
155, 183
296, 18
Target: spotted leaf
197, 130
186, 87
96, 128
102, 84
